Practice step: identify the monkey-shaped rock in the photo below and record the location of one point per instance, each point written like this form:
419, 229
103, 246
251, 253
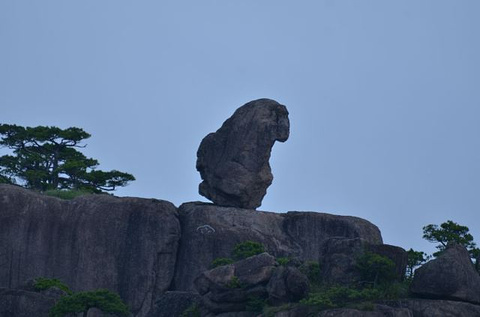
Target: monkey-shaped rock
234, 161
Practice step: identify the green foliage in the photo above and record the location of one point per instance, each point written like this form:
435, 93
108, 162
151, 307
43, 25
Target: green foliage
449, 231
41, 284
415, 259
340, 296
270, 311
247, 249
102, 299
234, 283
362, 298
192, 311
67, 194
46, 158
283, 261
255, 304
312, 270
220, 261
375, 269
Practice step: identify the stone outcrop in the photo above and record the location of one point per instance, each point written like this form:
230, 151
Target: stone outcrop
450, 276
210, 232
230, 288
234, 161
127, 245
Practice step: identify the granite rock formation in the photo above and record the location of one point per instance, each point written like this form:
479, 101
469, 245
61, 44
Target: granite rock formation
210, 232
450, 276
257, 277
234, 161
127, 245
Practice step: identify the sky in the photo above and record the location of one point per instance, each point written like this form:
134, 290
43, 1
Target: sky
384, 97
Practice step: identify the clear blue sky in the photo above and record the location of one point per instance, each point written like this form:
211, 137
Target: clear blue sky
384, 96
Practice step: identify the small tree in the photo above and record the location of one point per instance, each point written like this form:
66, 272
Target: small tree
46, 158
375, 269
415, 259
247, 249
448, 231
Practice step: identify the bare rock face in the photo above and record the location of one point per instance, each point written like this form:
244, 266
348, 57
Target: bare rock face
126, 245
436, 308
175, 304
234, 161
24, 303
450, 276
210, 232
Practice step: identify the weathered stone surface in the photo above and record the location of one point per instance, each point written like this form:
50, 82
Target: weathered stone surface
234, 161
22, 303
174, 304
450, 276
437, 308
287, 284
210, 232
255, 269
127, 245
311, 229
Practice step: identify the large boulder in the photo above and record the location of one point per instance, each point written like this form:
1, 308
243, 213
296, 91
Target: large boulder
234, 161
127, 245
258, 278
450, 276
210, 232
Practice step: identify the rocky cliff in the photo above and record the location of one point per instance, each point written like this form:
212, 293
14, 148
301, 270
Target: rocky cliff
141, 248
159, 258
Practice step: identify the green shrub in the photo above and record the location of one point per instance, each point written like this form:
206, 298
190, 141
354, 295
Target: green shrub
375, 269
247, 249
220, 261
102, 299
234, 283
312, 270
255, 304
283, 261
192, 311
41, 284
66, 194
340, 296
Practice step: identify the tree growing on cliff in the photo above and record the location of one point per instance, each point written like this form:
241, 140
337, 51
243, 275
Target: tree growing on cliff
46, 158
450, 231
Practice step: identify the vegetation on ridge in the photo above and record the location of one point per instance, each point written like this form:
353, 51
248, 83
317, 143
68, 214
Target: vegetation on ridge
47, 158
